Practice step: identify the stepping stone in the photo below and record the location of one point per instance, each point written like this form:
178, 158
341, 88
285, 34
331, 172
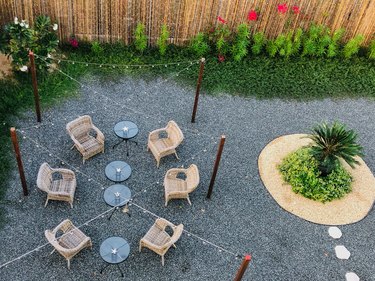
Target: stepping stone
342, 253
334, 232
351, 276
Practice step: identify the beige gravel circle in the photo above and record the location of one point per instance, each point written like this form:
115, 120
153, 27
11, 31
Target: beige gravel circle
352, 208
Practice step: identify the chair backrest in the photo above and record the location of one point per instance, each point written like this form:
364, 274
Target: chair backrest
177, 232
174, 133
80, 126
192, 177
44, 179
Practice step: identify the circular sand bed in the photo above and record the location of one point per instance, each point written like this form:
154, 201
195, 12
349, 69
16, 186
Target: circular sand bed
351, 208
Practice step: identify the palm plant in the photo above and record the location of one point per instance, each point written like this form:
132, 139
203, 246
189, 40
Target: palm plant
334, 142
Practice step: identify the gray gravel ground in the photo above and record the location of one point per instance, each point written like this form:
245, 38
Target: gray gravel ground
241, 217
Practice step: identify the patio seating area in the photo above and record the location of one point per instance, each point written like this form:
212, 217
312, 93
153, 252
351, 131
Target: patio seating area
212, 235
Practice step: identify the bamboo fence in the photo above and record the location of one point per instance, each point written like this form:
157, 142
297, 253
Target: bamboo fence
115, 20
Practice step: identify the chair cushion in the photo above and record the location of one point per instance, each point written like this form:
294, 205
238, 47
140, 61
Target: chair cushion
175, 185
89, 143
162, 144
60, 185
71, 239
157, 236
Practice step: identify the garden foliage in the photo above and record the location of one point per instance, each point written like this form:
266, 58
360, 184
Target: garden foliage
96, 48
199, 45
241, 42
140, 41
259, 40
371, 51
162, 41
19, 38
352, 47
300, 170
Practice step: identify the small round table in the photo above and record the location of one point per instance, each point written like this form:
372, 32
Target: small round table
126, 130
117, 195
113, 251
118, 171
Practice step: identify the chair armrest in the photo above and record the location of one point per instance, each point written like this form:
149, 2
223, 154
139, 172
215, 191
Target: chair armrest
64, 225
152, 244
65, 173
99, 134
163, 223
172, 173
154, 135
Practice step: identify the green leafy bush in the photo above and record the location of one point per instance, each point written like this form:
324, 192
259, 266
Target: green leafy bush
140, 41
18, 38
297, 41
220, 39
199, 45
241, 42
162, 41
333, 46
96, 48
352, 47
371, 50
300, 170
334, 142
259, 42
316, 41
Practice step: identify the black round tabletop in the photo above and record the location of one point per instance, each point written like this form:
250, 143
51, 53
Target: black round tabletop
126, 130
118, 171
117, 195
114, 249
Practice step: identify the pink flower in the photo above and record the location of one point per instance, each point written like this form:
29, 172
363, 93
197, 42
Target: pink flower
252, 16
220, 19
73, 42
221, 58
282, 9
295, 10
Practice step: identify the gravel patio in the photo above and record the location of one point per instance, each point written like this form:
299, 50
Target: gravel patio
240, 218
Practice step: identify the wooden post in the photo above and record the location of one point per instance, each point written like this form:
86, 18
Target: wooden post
13, 136
216, 166
35, 86
201, 69
243, 267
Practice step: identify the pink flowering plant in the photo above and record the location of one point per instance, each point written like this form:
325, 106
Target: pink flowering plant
220, 36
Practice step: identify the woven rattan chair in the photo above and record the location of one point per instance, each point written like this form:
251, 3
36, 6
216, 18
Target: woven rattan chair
70, 242
61, 189
158, 240
176, 188
79, 130
161, 147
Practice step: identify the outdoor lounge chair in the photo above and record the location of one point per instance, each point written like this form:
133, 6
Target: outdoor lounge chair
70, 243
158, 240
176, 188
79, 130
164, 146
62, 188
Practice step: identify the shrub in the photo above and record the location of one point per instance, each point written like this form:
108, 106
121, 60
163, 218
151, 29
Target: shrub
241, 42
199, 45
297, 41
259, 42
18, 38
300, 170
331, 143
316, 41
140, 41
96, 48
162, 41
286, 46
352, 47
220, 38
371, 54
333, 46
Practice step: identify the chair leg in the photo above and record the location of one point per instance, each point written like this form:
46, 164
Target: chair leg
69, 264
46, 202
52, 251
188, 199
140, 246
174, 246
72, 146
176, 155
162, 260
157, 163
71, 204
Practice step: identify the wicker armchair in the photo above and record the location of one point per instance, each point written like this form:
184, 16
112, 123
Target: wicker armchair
161, 147
158, 240
61, 189
70, 243
79, 130
176, 188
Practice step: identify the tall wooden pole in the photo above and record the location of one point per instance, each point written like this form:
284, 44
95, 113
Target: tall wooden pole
216, 166
13, 136
242, 269
35, 86
201, 69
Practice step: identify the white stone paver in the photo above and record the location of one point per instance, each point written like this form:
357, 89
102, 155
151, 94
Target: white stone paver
334, 232
342, 252
351, 276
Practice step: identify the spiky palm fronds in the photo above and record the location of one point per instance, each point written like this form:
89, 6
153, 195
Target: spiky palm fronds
334, 142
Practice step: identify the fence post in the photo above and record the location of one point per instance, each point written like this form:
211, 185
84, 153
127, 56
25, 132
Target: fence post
13, 136
35, 86
216, 166
243, 267
200, 76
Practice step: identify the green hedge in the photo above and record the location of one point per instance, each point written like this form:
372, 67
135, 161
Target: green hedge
300, 170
